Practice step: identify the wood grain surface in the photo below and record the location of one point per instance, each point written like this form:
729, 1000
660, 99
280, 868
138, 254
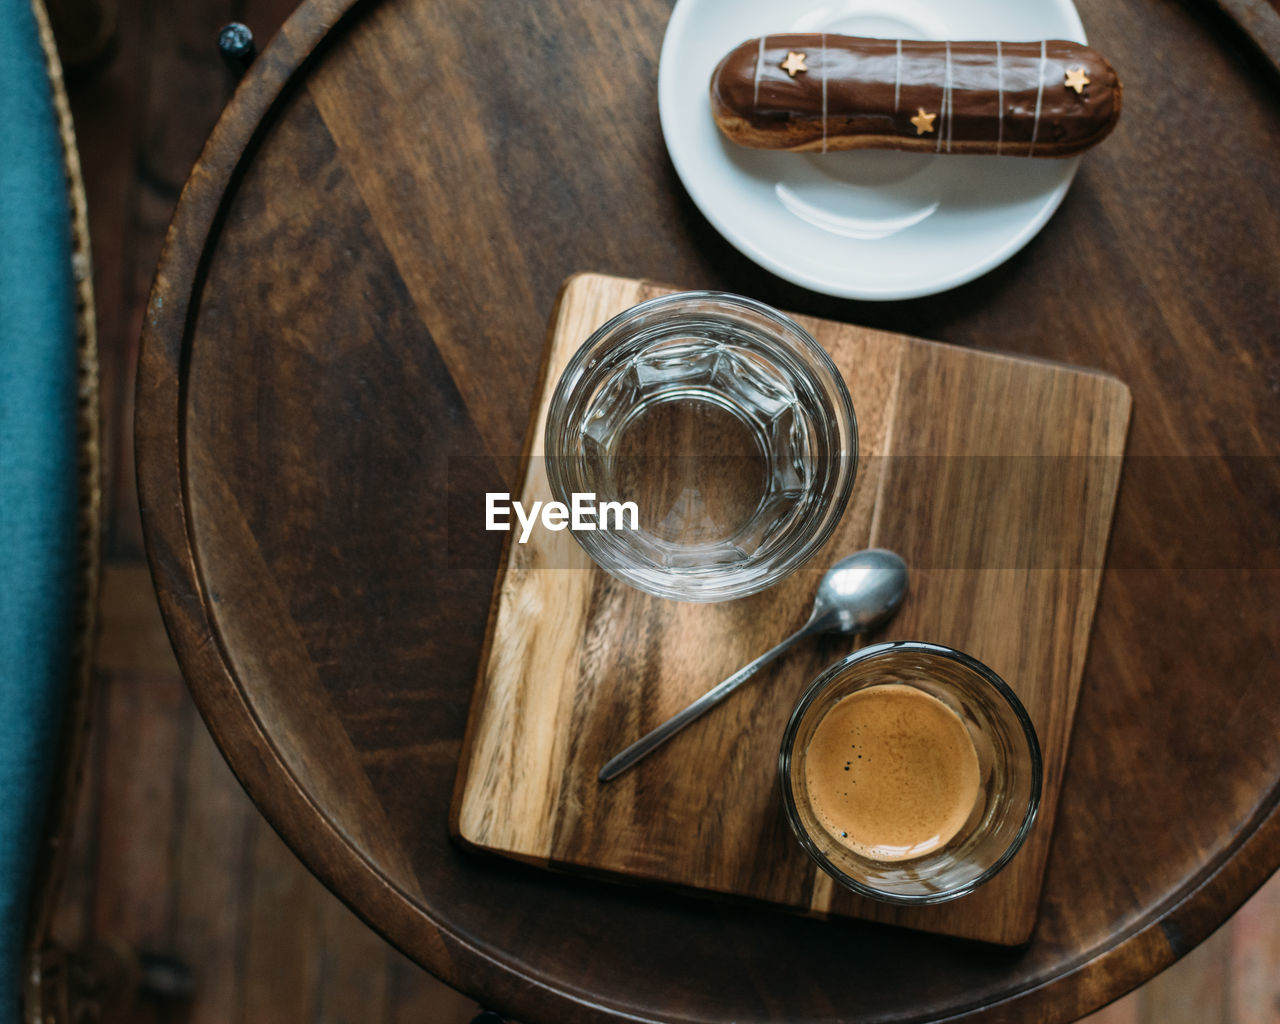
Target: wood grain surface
351, 306
168, 855
1260, 21
995, 477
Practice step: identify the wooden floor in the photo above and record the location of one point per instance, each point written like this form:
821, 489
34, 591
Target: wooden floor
169, 855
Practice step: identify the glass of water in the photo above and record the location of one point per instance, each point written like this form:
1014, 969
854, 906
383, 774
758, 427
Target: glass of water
724, 423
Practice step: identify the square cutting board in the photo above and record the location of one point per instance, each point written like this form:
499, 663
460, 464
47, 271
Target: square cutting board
994, 476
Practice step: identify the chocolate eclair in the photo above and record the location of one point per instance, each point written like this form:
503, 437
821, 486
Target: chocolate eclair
815, 92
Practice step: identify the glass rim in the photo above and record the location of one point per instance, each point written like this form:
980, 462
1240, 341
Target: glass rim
811, 694
713, 583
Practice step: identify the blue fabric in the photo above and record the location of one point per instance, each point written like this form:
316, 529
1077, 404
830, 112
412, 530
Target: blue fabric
38, 481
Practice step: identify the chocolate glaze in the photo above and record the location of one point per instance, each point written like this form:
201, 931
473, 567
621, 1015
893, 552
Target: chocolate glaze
989, 97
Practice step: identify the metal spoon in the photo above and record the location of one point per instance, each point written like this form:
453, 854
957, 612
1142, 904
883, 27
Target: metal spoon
856, 594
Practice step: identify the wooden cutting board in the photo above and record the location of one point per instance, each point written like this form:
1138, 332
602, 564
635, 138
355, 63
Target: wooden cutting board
994, 476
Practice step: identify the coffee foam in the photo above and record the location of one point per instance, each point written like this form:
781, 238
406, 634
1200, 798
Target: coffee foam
891, 772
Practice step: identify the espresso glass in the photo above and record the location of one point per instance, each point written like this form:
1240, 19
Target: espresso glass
727, 426
1010, 773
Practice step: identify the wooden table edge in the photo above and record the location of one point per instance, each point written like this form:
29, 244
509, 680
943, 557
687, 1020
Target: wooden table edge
1172, 929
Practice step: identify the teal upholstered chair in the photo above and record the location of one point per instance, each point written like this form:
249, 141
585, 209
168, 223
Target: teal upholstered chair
48, 493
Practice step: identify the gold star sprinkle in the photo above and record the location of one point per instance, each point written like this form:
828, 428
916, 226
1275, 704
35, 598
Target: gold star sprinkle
923, 121
794, 63
1076, 80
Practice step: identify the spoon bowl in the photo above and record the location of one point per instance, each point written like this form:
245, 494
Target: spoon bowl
860, 592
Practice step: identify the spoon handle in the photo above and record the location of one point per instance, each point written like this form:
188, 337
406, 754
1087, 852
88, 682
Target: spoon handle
650, 741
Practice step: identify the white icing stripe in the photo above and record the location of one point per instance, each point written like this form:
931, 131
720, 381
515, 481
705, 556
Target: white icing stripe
951, 99
824, 92
1035, 127
942, 109
999, 98
755, 98
897, 79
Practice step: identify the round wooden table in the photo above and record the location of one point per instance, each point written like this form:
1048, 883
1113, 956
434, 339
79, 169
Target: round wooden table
345, 334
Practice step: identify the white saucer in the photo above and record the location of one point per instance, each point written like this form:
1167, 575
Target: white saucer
858, 225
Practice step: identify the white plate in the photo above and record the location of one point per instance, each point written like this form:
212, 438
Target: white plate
858, 225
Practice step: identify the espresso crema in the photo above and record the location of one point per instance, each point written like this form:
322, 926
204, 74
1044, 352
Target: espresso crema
891, 772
